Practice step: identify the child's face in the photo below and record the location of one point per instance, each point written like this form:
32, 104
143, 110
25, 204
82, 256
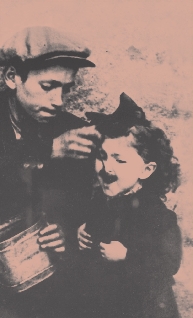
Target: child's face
120, 167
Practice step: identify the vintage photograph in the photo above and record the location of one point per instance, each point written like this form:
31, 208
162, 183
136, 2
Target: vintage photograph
96, 159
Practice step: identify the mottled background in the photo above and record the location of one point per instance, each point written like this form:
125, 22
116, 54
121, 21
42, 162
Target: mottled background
141, 47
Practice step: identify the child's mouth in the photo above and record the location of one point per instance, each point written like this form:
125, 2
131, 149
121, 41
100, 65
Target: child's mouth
107, 179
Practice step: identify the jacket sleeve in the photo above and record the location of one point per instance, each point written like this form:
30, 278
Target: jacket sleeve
157, 252
171, 250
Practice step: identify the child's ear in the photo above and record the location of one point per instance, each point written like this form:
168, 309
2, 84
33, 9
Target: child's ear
10, 77
149, 168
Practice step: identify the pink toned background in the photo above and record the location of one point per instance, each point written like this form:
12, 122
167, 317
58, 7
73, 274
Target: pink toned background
142, 47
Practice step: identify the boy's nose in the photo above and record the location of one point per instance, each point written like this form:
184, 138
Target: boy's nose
58, 98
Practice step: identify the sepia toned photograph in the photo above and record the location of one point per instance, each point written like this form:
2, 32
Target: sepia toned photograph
96, 159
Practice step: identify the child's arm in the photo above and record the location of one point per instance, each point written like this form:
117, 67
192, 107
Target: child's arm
171, 250
165, 257
156, 254
160, 253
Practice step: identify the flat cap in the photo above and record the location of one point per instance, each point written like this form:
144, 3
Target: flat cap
45, 43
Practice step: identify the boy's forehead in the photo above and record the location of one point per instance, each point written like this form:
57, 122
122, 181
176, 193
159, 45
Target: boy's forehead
53, 73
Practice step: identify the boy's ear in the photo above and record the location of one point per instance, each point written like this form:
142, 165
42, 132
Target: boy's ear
149, 168
10, 77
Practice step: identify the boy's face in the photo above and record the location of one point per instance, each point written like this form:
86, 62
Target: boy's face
118, 167
42, 94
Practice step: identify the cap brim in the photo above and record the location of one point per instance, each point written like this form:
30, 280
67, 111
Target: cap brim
72, 61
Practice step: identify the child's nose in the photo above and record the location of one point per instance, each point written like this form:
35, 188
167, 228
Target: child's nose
107, 166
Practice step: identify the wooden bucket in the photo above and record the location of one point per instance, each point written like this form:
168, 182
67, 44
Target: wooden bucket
22, 263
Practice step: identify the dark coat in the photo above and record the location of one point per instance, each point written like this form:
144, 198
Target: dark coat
141, 285
61, 189
65, 183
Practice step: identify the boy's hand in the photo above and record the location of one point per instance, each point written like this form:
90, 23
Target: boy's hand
52, 237
115, 251
76, 143
84, 240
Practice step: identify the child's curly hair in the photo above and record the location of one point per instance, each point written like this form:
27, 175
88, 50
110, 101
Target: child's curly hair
151, 144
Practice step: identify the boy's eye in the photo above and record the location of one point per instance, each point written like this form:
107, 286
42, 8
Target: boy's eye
47, 87
121, 161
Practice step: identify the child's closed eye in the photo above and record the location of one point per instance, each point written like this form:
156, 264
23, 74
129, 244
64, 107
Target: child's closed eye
121, 161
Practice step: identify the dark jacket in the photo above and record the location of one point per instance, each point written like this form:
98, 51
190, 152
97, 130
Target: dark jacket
61, 189
141, 285
65, 184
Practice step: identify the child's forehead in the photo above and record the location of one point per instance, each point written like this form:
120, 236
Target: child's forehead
118, 143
